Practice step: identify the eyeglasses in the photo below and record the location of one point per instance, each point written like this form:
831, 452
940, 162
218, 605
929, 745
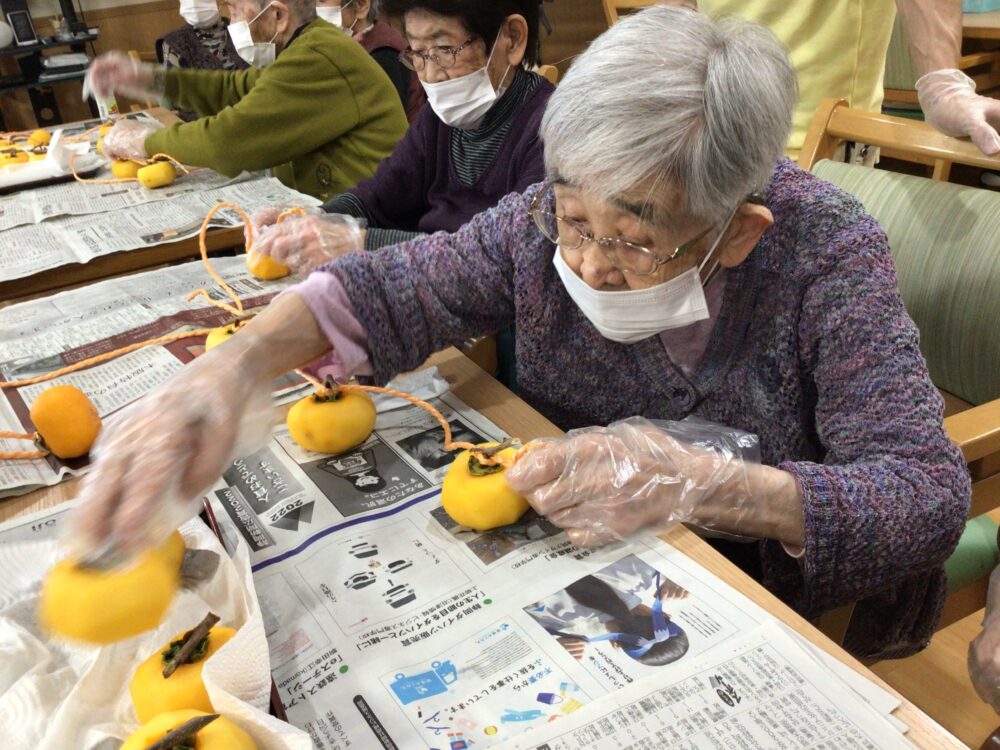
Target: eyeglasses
444, 57
624, 255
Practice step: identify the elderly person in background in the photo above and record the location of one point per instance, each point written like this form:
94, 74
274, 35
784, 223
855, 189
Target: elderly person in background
674, 265
203, 43
359, 18
314, 107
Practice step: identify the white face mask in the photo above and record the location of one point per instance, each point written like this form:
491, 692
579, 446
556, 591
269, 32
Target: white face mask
463, 102
254, 53
330, 15
630, 316
199, 13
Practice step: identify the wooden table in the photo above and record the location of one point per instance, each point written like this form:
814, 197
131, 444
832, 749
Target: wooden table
126, 261
480, 391
981, 25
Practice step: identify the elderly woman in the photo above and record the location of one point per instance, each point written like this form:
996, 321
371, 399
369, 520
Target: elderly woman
476, 142
314, 107
674, 265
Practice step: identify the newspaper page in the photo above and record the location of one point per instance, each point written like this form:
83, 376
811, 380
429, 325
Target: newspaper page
388, 626
34, 248
758, 692
29, 206
43, 335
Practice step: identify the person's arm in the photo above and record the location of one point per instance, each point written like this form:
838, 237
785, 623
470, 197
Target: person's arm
934, 31
947, 95
207, 92
419, 297
889, 499
274, 121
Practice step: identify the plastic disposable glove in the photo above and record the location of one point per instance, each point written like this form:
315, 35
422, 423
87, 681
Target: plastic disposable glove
117, 73
156, 458
303, 243
984, 651
127, 140
950, 103
605, 483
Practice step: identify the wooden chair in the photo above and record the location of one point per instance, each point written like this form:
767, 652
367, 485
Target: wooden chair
943, 237
550, 73
612, 8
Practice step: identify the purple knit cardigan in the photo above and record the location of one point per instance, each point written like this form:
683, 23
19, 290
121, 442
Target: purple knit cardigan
812, 351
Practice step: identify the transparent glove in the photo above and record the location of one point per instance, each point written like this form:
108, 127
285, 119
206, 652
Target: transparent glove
984, 651
155, 459
950, 103
304, 243
116, 72
605, 483
127, 140
263, 218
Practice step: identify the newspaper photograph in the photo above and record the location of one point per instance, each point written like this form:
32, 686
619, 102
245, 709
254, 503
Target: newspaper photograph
46, 334
760, 691
31, 249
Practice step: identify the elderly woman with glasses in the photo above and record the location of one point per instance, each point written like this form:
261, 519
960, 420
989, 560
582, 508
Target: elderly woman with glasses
674, 266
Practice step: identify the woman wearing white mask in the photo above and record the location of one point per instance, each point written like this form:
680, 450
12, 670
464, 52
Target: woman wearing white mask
676, 265
476, 142
314, 107
203, 43
384, 43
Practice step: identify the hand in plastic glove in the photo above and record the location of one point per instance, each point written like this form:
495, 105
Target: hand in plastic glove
156, 458
984, 651
950, 103
303, 243
603, 484
116, 72
127, 140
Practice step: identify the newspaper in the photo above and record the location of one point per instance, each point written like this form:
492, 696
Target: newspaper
33, 248
437, 635
46, 334
758, 692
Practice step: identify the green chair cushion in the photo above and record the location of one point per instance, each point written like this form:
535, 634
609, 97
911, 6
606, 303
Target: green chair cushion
945, 240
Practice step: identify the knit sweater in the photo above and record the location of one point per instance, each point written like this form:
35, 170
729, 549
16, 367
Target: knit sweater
439, 177
322, 115
812, 351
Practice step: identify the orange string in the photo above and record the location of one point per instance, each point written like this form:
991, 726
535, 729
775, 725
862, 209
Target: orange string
90, 362
85, 135
236, 310
21, 455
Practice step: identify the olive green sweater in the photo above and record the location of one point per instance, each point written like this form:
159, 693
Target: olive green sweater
322, 115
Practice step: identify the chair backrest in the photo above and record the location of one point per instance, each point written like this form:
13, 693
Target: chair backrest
550, 73
945, 240
613, 8
147, 57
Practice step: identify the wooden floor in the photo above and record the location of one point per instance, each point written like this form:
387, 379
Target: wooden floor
937, 681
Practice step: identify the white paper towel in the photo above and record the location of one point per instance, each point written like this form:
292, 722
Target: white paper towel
60, 696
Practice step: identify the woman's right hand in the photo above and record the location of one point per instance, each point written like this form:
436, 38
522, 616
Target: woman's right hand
155, 459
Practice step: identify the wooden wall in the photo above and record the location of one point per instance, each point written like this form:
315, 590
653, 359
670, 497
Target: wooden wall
575, 24
126, 27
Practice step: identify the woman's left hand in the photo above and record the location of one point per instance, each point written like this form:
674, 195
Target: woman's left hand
127, 140
606, 483
304, 243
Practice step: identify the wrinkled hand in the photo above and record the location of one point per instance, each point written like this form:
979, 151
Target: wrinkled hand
605, 483
155, 459
950, 103
116, 72
304, 243
127, 140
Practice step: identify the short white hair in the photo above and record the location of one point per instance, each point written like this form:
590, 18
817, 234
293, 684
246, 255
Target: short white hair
668, 98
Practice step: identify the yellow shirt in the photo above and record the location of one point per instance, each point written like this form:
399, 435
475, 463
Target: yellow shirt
837, 47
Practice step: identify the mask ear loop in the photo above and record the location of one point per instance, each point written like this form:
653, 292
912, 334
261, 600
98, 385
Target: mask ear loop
713, 255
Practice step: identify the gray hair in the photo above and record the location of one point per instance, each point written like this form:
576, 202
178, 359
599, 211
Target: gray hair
668, 98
